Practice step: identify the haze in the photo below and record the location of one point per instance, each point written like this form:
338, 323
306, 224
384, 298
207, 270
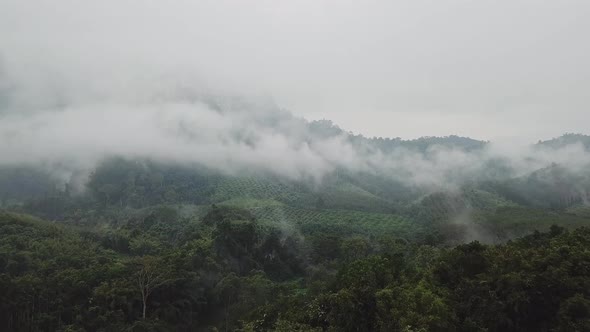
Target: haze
485, 69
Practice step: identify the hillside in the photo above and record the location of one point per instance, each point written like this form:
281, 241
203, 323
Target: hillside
358, 250
362, 202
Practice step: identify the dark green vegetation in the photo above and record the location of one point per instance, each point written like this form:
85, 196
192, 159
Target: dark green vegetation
229, 271
149, 246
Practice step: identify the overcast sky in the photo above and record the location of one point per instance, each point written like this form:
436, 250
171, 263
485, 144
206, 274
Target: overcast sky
485, 69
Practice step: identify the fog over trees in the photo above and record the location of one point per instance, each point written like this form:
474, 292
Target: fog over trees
294, 166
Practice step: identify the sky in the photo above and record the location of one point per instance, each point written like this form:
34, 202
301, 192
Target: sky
491, 70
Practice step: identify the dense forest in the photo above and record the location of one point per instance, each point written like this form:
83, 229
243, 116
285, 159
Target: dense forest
144, 245
294, 166
226, 271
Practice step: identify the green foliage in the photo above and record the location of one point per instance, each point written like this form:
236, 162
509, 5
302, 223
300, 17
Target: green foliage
123, 182
18, 184
154, 247
227, 272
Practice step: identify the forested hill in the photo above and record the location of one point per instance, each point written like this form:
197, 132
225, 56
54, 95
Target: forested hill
326, 128
345, 200
414, 240
567, 139
294, 166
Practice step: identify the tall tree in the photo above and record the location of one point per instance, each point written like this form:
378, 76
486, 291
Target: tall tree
150, 275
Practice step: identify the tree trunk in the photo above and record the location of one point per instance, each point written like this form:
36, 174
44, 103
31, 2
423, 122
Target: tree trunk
144, 305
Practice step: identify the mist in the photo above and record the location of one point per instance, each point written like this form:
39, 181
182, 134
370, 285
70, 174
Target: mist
71, 129
309, 165
233, 85
382, 68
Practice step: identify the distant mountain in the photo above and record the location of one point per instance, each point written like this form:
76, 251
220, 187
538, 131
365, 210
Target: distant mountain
565, 140
326, 128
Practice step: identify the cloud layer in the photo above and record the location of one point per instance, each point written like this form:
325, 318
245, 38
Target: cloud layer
176, 123
386, 68
82, 81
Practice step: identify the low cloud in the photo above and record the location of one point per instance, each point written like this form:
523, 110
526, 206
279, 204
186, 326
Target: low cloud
69, 128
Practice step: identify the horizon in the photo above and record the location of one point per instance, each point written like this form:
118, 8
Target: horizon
520, 139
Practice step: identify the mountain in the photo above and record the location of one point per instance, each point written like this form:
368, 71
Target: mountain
565, 140
340, 232
364, 201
